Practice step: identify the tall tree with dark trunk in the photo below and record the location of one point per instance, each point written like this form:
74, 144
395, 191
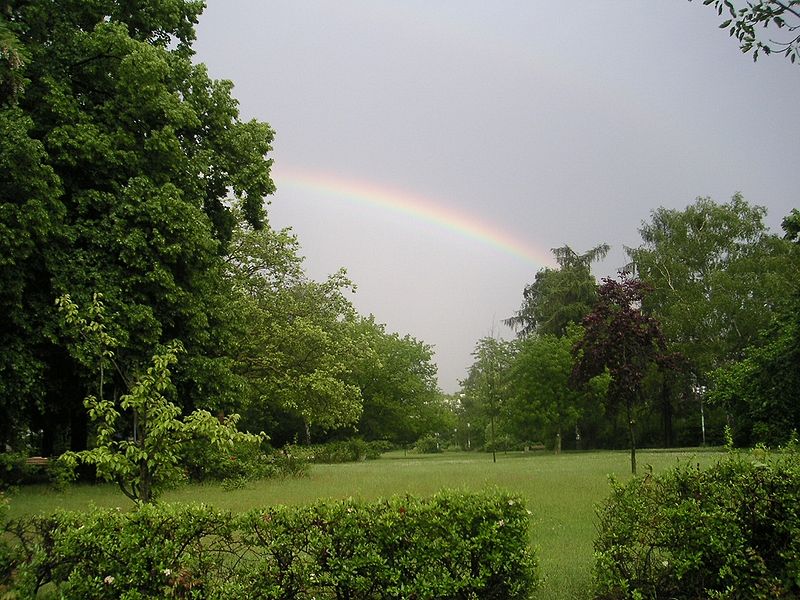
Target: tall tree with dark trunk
621, 340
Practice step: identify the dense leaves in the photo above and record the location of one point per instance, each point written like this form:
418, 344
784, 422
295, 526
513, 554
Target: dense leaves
621, 340
559, 297
716, 274
453, 545
542, 406
730, 531
123, 159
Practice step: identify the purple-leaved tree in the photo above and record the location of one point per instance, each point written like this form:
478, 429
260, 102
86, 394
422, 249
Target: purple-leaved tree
622, 340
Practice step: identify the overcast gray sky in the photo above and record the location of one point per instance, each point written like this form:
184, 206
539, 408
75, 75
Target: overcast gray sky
439, 149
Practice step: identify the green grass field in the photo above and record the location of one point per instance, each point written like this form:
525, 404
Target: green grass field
561, 492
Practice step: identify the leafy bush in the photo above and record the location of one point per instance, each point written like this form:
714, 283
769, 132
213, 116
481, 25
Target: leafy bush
244, 460
704, 534
452, 545
14, 470
157, 551
378, 447
352, 450
286, 463
428, 444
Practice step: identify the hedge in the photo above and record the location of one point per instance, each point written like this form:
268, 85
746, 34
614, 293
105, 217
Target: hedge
730, 531
452, 545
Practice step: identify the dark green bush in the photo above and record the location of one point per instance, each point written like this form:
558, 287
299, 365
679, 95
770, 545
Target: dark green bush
453, 545
14, 470
378, 447
731, 531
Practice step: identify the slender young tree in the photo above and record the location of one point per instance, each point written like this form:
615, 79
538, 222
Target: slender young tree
621, 340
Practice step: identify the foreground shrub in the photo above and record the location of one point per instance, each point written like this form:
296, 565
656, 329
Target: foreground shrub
450, 546
731, 531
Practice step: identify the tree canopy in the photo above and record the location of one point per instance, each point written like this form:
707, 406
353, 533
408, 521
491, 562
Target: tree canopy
621, 340
559, 297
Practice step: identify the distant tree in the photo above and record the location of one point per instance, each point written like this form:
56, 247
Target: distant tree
401, 401
486, 388
772, 16
541, 398
621, 340
558, 297
761, 388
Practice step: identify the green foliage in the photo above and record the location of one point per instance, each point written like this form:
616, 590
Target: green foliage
121, 162
339, 451
486, 389
453, 545
779, 17
299, 340
15, 470
716, 277
762, 388
429, 444
203, 460
542, 405
559, 297
148, 461
401, 401
730, 531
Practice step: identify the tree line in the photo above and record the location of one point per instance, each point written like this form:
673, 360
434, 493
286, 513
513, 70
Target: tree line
132, 188
698, 333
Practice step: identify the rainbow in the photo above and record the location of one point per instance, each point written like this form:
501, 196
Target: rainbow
416, 207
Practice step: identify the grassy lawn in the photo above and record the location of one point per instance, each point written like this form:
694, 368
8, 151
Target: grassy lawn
561, 492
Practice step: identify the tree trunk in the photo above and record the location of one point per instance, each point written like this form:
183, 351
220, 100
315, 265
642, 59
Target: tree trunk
308, 432
558, 442
629, 412
666, 414
494, 452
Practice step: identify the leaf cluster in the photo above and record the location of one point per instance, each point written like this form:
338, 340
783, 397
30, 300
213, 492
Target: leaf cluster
618, 338
778, 15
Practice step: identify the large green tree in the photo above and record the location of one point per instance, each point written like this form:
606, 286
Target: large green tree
541, 400
559, 297
717, 275
122, 158
299, 342
760, 390
401, 400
